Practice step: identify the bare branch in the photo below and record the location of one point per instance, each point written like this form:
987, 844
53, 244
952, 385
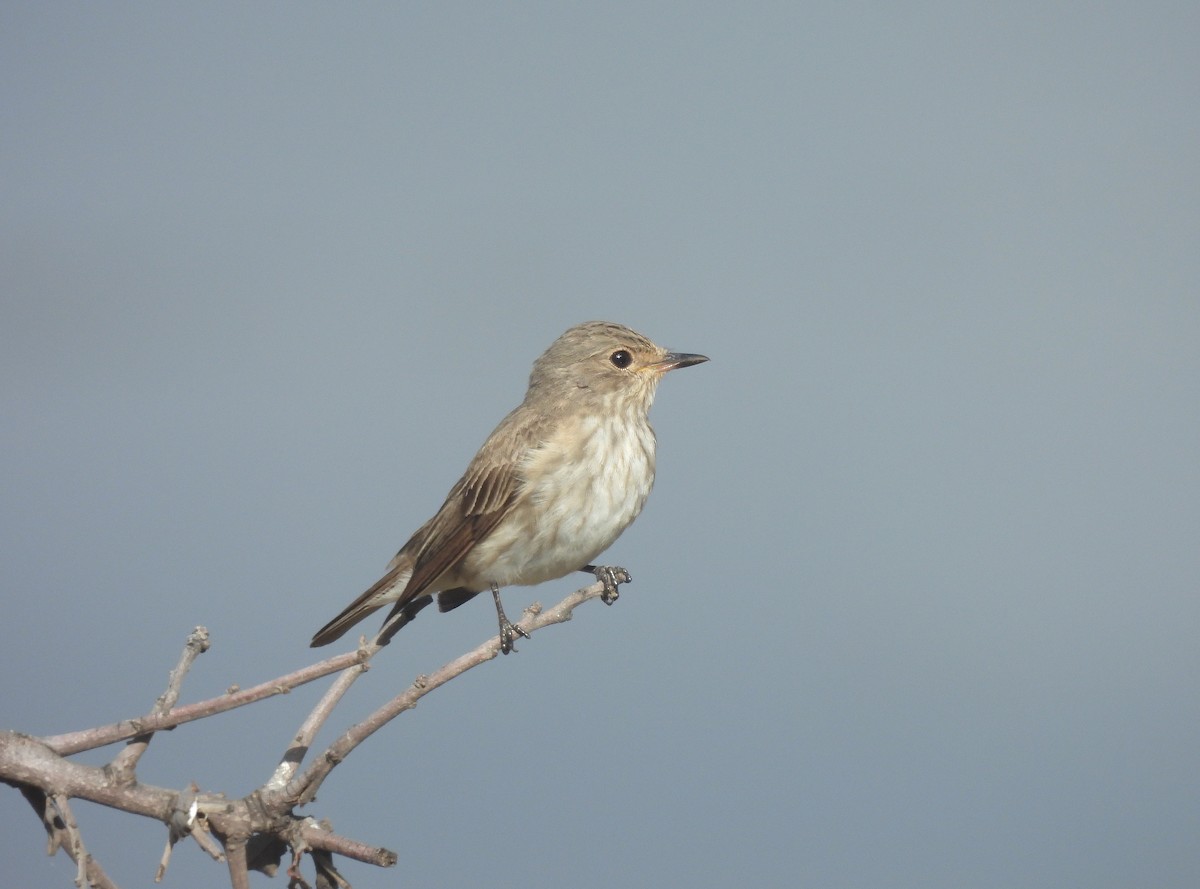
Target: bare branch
235, 852
36, 797
302, 740
74, 841
164, 862
258, 829
319, 839
28, 762
124, 764
89, 739
187, 820
303, 789
205, 840
58, 834
63, 833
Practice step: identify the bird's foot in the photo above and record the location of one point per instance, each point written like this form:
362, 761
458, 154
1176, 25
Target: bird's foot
611, 578
508, 635
508, 630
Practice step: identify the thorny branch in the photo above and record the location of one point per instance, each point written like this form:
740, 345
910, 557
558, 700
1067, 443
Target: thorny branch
257, 829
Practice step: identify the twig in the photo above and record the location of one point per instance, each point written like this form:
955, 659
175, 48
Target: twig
303, 738
205, 840
36, 797
186, 819
124, 764
27, 762
304, 788
74, 842
38, 766
57, 834
317, 837
89, 739
87, 872
235, 852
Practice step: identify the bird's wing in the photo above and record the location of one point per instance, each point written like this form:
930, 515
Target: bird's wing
480, 500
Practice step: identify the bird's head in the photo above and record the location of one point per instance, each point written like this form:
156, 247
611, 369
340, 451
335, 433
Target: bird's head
606, 362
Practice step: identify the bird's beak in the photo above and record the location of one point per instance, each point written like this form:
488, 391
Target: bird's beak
672, 360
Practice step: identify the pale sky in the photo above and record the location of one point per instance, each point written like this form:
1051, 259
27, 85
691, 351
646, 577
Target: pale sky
915, 598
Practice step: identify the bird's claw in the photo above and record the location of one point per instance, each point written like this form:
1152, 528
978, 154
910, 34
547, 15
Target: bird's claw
508, 636
611, 578
508, 630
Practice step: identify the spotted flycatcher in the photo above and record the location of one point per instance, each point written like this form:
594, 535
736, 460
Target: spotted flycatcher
553, 486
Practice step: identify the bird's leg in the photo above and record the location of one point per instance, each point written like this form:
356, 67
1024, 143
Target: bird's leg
508, 630
610, 577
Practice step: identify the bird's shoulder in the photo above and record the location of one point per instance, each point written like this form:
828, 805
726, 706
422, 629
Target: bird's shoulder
486, 491
495, 474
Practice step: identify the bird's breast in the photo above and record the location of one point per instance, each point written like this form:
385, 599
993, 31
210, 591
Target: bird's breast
581, 488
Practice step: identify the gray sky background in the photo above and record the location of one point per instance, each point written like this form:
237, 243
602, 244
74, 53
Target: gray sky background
915, 598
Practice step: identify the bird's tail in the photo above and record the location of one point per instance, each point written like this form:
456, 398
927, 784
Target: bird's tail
381, 593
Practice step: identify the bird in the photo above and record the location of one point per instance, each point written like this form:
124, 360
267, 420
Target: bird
553, 486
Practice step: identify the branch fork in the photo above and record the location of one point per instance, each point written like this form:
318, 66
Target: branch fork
253, 832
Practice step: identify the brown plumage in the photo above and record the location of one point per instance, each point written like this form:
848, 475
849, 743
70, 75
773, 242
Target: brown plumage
552, 487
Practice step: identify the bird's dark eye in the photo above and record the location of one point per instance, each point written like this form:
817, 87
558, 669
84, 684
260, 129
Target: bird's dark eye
621, 358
